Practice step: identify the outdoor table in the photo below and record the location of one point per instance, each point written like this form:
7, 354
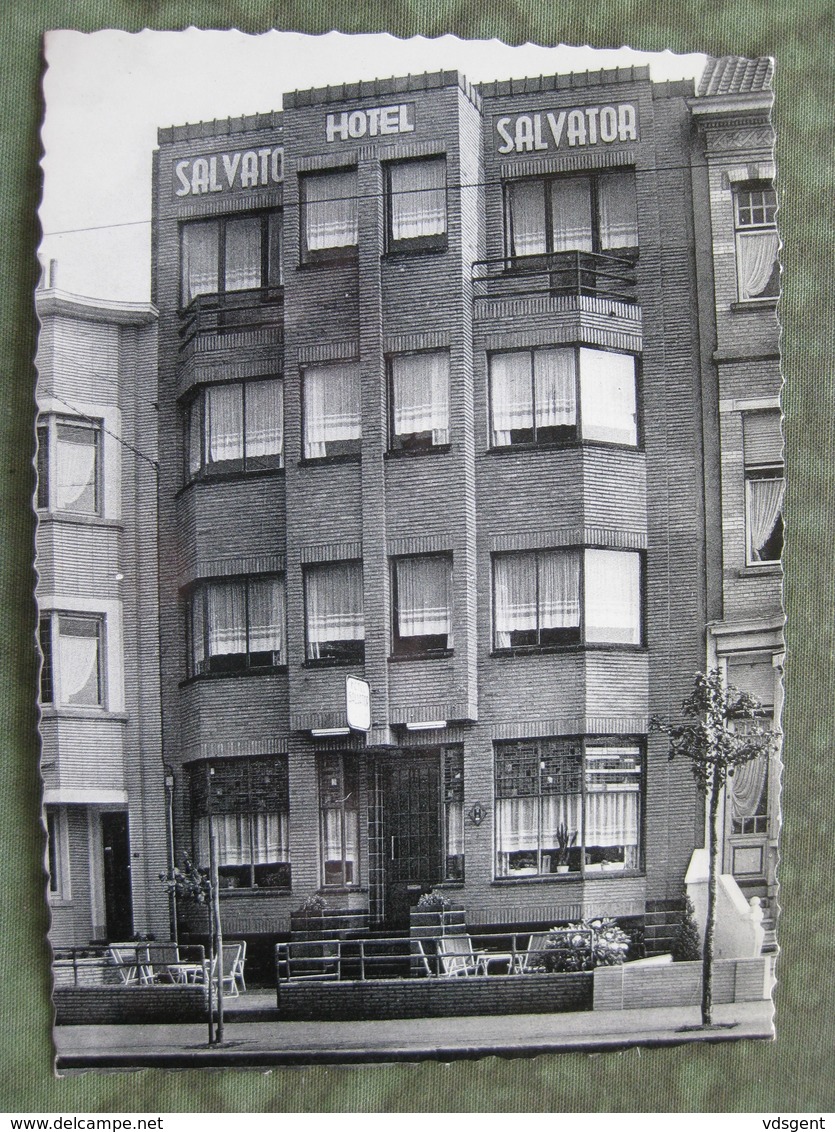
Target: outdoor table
485, 958
187, 972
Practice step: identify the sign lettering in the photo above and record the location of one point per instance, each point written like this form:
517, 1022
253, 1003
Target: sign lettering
371, 123
229, 172
358, 703
560, 129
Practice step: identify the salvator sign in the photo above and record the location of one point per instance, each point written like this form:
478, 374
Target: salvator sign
562, 129
358, 703
229, 172
353, 124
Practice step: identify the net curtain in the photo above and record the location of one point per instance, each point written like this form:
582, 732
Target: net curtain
78, 661
243, 254
227, 618
337, 848
224, 423
421, 396
270, 841
517, 608
332, 410
756, 255
333, 596
571, 214
200, 260
617, 210
418, 199
527, 824
765, 504
423, 597
266, 616
746, 787
520, 398
330, 211
76, 450
264, 419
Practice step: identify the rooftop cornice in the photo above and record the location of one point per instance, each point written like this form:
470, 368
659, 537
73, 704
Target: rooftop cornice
51, 301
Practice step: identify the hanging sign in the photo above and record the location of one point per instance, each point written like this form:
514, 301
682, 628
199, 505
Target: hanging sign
358, 703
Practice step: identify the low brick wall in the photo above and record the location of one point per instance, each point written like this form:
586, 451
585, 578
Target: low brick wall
434, 998
104, 1005
680, 984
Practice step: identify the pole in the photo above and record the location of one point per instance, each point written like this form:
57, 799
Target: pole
217, 932
712, 882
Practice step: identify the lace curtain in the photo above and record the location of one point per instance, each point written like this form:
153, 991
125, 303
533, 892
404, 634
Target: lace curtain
756, 257
765, 505
330, 211
76, 451
332, 409
535, 592
571, 214
333, 605
421, 396
267, 616
244, 839
243, 254
78, 661
227, 618
526, 206
418, 199
199, 260
264, 419
224, 423
423, 597
617, 210
520, 398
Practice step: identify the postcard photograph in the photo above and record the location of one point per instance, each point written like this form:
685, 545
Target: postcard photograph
410, 521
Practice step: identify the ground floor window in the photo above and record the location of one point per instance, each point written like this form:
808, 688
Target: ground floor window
246, 802
339, 820
567, 806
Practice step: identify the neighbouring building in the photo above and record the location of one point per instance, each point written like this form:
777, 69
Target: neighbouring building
104, 789
440, 371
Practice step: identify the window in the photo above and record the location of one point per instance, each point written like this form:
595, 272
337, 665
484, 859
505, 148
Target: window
748, 785
230, 254
236, 625
247, 803
69, 465
421, 600
453, 771
416, 201
71, 644
332, 411
419, 400
334, 623
537, 602
595, 212
757, 244
329, 215
339, 820
567, 806
237, 427
535, 394
57, 854
764, 487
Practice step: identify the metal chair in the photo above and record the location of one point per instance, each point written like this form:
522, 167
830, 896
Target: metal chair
530, 960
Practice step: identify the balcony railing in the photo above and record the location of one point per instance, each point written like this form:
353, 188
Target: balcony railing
559, 273
231, 313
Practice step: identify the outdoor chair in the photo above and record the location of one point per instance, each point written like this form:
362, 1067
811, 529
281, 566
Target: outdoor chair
132, 962
423, 964
458, 958
530, 960
231, 958
238, 973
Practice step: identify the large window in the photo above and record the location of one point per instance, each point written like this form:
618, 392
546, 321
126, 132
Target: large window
537, 600
334, 623
421, 601
246, 801
235, 427
236, 624
594, 212
72, 672
332, 411
230, 254
416, 199
69, 465
419, 401
764, 487
757, 244
453, 771
339, 820
558, 395
329, 215
567, 806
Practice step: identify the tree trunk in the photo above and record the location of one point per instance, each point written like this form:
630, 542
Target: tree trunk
712, 884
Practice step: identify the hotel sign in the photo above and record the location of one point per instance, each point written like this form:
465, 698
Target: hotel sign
563, 129
358, 703
233, 172
355, 124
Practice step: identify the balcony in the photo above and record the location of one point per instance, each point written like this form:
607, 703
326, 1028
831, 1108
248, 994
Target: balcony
590, 274
219, 316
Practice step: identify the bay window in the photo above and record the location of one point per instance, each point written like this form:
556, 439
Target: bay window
419, 401
334, 623
757, 243
537, 600
229, 254
69, 465
416, 204
421, 601
72, 670
236, 624
339, 820
329, 214
332, 412
559, 395
246, 801
235, 427
567, 806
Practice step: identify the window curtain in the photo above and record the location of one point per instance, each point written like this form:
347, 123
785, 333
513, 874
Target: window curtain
330, 211
608, 397
195, 436
227, 618
421, 396
75, 450
270, 839
613, 596
526, 205
514, 577
200, 260
333, 595
418, 199
511, 395
422, 597
264, 419
612, 815
617, 210
756, 257
559, 590
224, 423
243, 254
335, 847
517, 828
454, 829
332, 409
266, 616
554, 384
557, 810
765, 504
78, 661
571, 214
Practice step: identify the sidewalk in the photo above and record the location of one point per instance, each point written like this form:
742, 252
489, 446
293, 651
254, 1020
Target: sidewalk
259, 1043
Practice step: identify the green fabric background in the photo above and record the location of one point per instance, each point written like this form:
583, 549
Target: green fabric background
796, 1072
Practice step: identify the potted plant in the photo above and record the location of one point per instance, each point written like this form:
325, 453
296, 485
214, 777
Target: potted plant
566, 840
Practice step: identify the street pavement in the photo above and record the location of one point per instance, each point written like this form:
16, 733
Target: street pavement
262, 1040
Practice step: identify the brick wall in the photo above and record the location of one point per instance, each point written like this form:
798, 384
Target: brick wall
680, 984
103, 1005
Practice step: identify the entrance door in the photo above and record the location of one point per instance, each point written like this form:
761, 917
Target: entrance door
118, 905
411, 828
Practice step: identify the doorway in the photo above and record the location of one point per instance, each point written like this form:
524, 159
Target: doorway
409, 808
118, 903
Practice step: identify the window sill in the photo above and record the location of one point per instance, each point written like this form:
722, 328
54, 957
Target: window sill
401, 250
79, 519
333, 662
438, 654
337, 257
259, 893
536, 650
561, 446
339, 890
562, 878
742, 305
410, 453
761, 569
320, 461
276, 670
67, 711
231, 477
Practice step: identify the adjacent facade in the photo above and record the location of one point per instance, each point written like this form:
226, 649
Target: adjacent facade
104, 790
439, 382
